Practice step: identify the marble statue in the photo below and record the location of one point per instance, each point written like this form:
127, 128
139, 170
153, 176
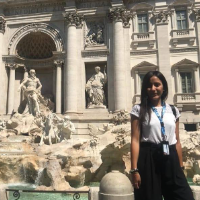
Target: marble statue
94, 89
48, 130
2, 124
31, 87
121, 117
55, 129
65, 128
100, 38
90, 40
94, 34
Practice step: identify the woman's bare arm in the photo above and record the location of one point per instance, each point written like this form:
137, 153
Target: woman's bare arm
135, 146
178, 144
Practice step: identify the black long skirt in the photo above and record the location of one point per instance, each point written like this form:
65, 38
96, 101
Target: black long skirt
161, 176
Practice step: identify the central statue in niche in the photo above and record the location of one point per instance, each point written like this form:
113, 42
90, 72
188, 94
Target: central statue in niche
95, 90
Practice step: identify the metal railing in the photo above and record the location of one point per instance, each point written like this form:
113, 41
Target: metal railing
17, 193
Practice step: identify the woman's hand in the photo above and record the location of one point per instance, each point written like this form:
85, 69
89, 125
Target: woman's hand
136, 180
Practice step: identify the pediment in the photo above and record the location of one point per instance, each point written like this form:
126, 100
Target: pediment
181, 2
142, 6
145, 64
185, 62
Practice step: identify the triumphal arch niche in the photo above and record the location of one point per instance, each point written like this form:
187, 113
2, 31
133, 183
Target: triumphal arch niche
35, 46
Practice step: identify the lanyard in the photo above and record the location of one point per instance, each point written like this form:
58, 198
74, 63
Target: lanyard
161, 118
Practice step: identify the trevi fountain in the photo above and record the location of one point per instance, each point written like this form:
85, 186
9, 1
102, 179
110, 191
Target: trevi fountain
41, 148
70, 71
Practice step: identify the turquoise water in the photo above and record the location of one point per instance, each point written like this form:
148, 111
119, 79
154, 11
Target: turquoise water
46, 196
190, 181
41, 196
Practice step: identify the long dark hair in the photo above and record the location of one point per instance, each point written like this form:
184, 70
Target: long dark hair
145, 106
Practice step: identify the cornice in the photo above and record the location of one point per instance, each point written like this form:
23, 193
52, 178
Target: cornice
95, 53
180, 50
144, 52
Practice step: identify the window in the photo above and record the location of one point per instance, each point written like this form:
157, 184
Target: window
186, 82
190, 127
142, 23
181, 17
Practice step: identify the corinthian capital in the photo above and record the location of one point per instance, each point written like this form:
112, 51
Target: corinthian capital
2, 24
197, 14
73, 18
120, 14
161, 16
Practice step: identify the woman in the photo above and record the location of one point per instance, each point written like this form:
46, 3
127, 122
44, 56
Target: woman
156, 155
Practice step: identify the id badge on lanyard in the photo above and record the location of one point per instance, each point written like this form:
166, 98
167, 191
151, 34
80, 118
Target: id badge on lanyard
165, 148
164, 143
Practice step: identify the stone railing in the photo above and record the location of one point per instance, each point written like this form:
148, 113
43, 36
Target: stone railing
183, 33
147, 39
143, 36
183, 97
187, 99
188, 35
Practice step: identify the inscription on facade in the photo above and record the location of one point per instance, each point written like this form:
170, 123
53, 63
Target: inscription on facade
36, 8
91, 3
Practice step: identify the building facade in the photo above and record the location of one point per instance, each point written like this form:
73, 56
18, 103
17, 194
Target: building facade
65, 40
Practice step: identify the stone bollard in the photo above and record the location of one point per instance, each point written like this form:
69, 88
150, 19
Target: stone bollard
115, 186
196, 192
3, 195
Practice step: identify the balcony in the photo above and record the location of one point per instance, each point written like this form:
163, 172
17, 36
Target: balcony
184, 35
146, 39
187, 99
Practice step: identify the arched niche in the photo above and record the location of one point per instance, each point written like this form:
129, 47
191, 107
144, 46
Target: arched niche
35, 28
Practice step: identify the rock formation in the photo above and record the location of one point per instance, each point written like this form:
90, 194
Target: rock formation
73, 162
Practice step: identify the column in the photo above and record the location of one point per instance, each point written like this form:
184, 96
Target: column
3, 93
197, 17
190, 23
196, 79
25, 72
196, 12
173, 13
127, 58
58, 64
120, 18
177, 81
25, 77
163, 49
137, 83
11, 88
70, 72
